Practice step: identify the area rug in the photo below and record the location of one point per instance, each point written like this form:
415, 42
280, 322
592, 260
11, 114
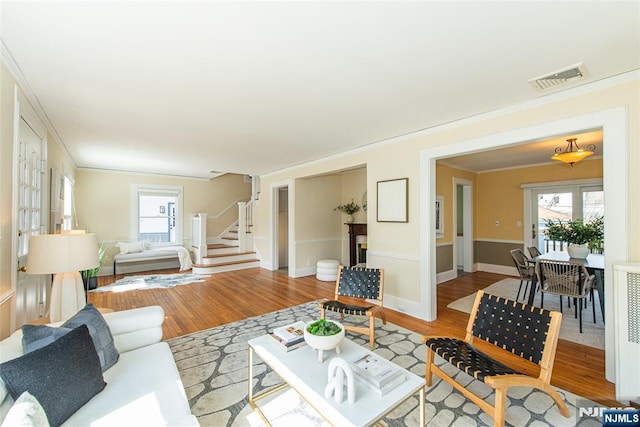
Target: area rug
153, 281
592, 333
214, 371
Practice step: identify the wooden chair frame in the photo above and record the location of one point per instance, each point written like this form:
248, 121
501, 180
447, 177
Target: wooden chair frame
501, 383
357, 305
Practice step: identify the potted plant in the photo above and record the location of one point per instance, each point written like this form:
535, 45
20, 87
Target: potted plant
349, 209
580, 236
324, 335
90, 277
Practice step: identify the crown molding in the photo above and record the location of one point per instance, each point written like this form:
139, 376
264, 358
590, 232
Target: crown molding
24, 86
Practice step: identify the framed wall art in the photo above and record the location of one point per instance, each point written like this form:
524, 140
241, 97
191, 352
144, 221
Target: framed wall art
393, 200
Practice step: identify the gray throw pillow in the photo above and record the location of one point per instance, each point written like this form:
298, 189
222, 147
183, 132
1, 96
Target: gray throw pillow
37, 336
62, 376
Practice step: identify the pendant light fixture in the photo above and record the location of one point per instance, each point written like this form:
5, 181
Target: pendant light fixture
573, 153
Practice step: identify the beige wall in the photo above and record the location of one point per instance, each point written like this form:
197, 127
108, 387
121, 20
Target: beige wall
500, 195
103, 203
7, 84
396, 246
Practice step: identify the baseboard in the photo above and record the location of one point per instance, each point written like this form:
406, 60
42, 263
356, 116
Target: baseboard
498, 269
445, 276
403, 306
305, 271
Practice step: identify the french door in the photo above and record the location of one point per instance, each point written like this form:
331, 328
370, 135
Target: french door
563, 203
30, 154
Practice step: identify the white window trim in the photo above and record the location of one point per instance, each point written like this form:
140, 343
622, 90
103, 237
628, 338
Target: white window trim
151, 188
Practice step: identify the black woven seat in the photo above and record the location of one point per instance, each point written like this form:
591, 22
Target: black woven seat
359, 284
342, 308
525, 331
467, 358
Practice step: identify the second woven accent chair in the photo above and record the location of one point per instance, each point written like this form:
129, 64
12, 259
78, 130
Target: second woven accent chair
526, 271
358, 292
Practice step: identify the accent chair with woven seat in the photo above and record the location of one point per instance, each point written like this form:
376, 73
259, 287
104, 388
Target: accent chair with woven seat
359, 292
526, 271
526, 331
566, 278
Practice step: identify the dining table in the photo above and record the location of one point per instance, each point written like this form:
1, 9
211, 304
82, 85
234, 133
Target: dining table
594, 264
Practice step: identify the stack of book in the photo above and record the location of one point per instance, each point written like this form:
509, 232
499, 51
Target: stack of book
377, 373
290, 336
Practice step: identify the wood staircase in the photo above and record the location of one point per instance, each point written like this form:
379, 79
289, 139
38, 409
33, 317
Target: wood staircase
225, 256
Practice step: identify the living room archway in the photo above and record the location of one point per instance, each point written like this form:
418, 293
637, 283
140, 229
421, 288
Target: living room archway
614, 124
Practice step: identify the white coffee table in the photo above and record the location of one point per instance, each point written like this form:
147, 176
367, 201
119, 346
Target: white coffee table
301, 371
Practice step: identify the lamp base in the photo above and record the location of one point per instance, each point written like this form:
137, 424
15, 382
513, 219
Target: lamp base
67, 296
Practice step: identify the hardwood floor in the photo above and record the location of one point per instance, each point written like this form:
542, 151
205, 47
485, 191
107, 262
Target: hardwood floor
227, 297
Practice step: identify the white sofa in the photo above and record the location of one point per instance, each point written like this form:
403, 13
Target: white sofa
143, 387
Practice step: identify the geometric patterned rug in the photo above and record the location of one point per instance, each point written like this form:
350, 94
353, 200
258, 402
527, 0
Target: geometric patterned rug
213, 367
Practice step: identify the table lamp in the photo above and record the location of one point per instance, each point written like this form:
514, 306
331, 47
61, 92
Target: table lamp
64, 255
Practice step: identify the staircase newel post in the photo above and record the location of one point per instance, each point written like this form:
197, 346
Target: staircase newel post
242, 227
203, 250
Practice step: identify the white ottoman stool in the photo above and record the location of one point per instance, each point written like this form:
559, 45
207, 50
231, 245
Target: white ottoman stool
327, 270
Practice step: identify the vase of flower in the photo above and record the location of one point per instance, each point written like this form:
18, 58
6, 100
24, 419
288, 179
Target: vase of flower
581, 237
349, 209
578, 251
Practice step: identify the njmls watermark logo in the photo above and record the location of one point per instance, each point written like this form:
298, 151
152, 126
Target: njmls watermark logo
609, 417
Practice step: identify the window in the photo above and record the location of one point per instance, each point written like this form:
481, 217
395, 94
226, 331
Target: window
156, 214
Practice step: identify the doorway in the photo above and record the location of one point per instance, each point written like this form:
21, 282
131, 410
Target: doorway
283, 229
282, 257
613, 122
463, 225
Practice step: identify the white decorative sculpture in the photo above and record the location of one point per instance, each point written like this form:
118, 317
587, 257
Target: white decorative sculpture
338, 370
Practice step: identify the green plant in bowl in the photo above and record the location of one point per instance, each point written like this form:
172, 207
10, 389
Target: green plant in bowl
323, 328
324, 335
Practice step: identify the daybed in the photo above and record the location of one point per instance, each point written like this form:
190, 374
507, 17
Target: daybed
143, 386
137, 256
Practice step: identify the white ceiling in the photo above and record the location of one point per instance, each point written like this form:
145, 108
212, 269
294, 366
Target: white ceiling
181, 87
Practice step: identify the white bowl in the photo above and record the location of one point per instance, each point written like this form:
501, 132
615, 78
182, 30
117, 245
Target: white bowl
321, 343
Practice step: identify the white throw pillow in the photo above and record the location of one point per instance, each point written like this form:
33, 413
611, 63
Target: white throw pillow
132, 247
26, 412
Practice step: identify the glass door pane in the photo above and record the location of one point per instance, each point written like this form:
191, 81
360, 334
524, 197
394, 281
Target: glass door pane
555, 206
592, 205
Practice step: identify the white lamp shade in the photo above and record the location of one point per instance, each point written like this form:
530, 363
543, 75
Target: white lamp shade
62, 253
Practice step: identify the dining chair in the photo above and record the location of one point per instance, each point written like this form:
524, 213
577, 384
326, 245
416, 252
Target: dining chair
534, 251
565, 278
525, 270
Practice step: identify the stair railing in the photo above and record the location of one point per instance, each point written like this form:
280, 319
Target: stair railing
245, 226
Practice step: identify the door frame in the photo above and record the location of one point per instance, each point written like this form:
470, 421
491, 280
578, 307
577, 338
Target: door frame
275, 244
22, 109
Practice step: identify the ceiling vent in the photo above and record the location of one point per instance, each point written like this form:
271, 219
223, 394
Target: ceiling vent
561, 77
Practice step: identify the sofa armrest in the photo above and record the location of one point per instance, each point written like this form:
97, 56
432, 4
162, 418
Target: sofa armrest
135, 328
